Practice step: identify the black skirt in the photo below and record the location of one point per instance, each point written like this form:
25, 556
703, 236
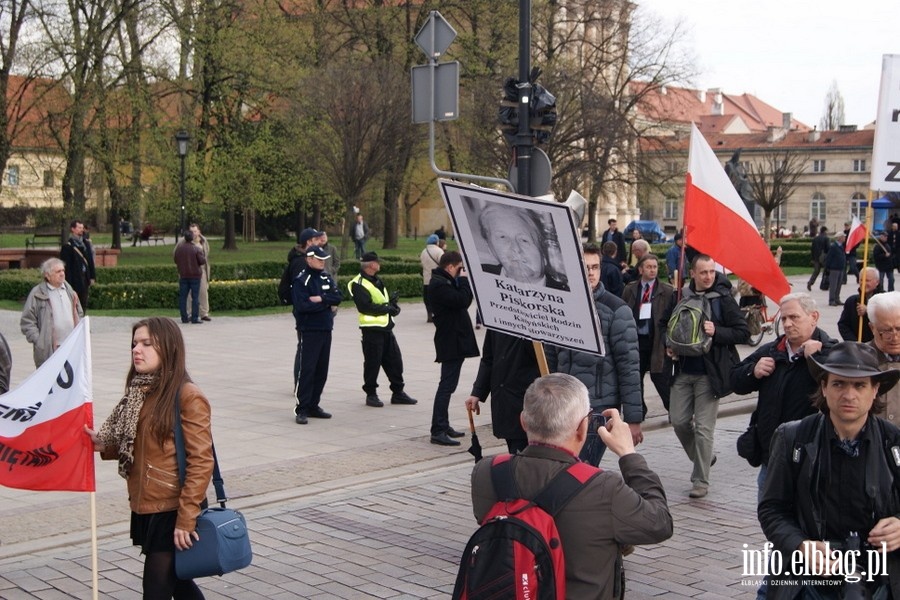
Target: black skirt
154, 532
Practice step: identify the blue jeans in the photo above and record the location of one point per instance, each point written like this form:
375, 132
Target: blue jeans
186, 286
359, 247
440, 419
890, 278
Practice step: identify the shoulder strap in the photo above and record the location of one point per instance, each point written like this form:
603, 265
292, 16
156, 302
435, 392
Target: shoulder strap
181, 456
554, 496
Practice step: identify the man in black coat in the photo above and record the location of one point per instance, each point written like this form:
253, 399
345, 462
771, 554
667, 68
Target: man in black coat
817, 255
454, 339
854, 310
508, 366
79, 260
833, 475
614, 235
777, 372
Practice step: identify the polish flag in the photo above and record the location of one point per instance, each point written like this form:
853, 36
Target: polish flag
717, 223
43, 445
856, 236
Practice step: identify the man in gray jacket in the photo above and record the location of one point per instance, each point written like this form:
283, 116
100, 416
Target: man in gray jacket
613, 381
51, 311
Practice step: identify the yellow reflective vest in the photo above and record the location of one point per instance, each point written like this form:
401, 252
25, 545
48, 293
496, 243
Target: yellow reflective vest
378, 297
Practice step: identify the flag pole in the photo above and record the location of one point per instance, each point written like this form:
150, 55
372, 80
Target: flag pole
94, 566
862, 279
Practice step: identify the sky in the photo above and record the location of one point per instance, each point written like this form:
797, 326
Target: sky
788, 53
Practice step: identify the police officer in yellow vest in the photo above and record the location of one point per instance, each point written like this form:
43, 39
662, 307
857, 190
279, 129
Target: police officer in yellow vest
379, 346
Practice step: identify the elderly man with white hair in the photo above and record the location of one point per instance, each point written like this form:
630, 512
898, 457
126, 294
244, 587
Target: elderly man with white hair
51, 311
883, 311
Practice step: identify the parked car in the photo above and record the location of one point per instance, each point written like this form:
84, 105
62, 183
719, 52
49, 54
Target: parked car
650, 230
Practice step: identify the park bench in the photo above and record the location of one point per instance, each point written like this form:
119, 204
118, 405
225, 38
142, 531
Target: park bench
31, 242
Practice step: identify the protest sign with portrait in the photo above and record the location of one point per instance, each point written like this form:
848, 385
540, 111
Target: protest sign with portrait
524, 260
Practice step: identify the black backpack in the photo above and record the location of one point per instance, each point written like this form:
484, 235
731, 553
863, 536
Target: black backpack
517, 553
284, 287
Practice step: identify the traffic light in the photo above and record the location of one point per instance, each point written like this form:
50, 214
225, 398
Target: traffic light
542, 110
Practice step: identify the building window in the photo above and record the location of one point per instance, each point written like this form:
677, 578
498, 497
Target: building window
818, 166
859, 165
48, 179
856, 206
817, 207
12, 175
670, 210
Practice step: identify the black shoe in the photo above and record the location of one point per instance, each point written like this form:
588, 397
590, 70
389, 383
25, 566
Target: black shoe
442, 439
713, 461
185, 321
206, 318
373, 400
318, 413
402, 398
300, 419
809, 287
197, 322
454, 433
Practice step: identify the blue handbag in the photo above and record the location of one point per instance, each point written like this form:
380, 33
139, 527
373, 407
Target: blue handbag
224, 544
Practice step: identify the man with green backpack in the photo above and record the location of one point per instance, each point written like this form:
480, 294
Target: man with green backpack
702, 332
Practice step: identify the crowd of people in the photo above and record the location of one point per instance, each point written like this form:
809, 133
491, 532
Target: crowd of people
824, 426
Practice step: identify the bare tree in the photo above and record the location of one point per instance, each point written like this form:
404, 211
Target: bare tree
773, 180
13, 14
834, 109
355, 123
604, 62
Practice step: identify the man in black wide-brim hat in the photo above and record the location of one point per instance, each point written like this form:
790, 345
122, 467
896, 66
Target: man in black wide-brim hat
834, 484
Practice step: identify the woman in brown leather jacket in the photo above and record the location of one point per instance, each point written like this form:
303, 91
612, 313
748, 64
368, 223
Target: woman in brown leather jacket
139, 433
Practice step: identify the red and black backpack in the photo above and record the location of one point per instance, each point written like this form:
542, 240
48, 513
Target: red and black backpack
516, 553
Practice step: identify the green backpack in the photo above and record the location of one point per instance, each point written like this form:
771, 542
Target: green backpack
684, 332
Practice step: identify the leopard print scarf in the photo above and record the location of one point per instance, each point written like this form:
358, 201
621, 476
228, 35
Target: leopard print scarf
120, 428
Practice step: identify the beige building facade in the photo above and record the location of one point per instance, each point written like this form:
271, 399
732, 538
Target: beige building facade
833, 185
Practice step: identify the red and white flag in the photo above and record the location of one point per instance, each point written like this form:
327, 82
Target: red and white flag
856, 235
717, 223
43, 445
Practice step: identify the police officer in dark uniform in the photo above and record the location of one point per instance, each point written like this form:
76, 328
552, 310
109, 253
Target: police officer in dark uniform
314, 294
376, 321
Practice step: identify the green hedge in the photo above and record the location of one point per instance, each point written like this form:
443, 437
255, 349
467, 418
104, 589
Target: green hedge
223, 295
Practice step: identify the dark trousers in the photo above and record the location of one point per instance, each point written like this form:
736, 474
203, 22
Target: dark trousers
314, 358
516, 445
440, 418
817, 267
660, 380
889, 274
835, 281
192, 287
428, 311
381, 351
297, 358
852, 268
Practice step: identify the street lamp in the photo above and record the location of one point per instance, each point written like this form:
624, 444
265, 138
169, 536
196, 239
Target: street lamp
182, 139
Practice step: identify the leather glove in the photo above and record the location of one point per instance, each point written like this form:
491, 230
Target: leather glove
395, 296
393, 310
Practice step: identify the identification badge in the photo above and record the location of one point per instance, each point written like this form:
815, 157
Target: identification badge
645, 311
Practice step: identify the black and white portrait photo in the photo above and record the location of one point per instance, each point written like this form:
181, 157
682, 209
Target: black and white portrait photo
524, 261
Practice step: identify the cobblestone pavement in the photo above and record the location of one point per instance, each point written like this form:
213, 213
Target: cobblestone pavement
361, 506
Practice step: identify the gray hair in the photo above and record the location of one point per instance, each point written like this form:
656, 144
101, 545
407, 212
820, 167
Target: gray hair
553, 408
640, 245
886, 302
48, 265
806, 301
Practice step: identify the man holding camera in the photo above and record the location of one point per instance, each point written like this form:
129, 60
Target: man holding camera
376, 321
834, 483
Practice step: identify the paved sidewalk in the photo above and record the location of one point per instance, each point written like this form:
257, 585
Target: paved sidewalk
361, 506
